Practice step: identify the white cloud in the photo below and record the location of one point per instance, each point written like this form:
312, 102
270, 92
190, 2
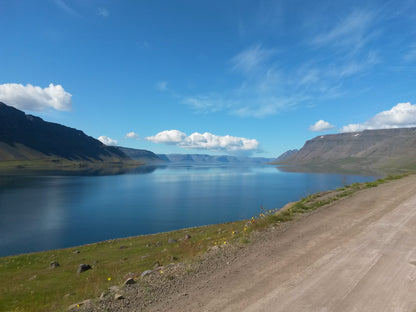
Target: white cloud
250, 60
207, 103
352, 32
132, 135
168, 137
403, 115
35, 98
321, 125
206, 141
162, 85
107, 141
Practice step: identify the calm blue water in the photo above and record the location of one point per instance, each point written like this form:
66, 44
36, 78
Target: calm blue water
48, 212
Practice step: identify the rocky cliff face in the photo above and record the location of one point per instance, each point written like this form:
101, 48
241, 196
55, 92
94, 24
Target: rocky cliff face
385, 149
26, 137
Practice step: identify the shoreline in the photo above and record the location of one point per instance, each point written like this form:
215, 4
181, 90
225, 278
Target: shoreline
138, 254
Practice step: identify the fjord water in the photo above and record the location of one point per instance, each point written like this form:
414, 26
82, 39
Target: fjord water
47, 212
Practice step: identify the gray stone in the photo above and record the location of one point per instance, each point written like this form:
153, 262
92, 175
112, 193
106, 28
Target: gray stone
54, 265
33, 278
214, 248
172, 241
147, 272
114, 289
77, 305
129, 281
69, 295
187, 236
83, 268
156, 265
76, 252
103, 295
118, 297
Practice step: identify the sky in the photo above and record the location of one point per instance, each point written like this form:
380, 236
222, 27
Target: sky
234, 77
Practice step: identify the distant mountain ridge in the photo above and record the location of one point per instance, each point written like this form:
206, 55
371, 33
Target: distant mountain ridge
211, 159
286, 155
141, 155
27, 137
378, 150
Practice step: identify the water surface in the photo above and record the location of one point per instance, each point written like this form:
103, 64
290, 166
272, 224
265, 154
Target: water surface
48, 212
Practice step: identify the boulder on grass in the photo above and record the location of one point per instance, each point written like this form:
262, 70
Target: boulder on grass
83, 268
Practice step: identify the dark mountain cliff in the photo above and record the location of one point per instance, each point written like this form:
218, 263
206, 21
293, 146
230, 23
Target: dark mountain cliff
386, 149
26, 137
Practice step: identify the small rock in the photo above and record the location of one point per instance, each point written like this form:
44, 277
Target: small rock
103, 295
214, 248
123, 246
114, 289
77, 305
76, 252
83, 268
187, 236
69, 295
147, 272
33, 278
130, 275
118, 297
158, 244
172, 241
54, 265
129, 281
145, 256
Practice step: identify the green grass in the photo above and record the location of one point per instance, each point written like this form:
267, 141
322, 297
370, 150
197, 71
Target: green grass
313, 202
28, 284
55, 164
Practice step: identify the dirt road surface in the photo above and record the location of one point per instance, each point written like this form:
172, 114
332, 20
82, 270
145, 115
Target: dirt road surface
358, 254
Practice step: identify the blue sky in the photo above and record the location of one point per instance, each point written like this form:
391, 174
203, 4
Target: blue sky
217, 77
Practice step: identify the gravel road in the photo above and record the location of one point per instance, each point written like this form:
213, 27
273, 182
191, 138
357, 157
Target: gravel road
357, 255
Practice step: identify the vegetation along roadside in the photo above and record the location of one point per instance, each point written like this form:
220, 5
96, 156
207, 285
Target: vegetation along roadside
54, 280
